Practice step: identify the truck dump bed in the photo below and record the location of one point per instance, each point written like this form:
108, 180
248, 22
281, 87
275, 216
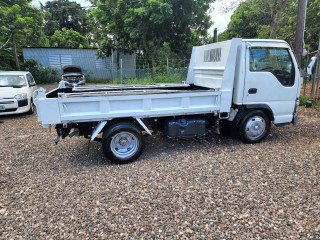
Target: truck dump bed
97, 103
209, 89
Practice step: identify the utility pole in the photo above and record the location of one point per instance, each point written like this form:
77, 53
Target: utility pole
301, 20
215, 35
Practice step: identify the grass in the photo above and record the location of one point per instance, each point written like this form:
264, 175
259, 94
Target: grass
98, 80
177, 78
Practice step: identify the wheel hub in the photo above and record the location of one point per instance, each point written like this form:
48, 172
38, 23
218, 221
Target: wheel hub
255, 127
124, 144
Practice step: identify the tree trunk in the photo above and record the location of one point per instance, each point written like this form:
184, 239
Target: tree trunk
153, 62
276, 9
14, 49
298, 46
118, 59
273, 28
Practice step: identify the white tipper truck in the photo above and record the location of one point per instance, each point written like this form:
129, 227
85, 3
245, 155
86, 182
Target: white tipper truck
241, 86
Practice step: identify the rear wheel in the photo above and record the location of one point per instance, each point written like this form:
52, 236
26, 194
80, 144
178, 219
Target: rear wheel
254, 127
122, 142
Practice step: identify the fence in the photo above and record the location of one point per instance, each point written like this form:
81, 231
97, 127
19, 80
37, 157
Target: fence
165, 71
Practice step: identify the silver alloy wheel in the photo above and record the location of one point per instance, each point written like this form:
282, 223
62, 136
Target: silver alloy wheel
255, 127
124, 145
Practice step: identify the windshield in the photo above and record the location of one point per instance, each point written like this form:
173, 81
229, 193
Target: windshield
12, 81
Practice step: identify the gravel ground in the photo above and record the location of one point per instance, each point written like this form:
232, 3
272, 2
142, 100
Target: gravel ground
208, 188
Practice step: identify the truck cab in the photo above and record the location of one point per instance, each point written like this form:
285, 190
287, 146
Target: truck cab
271, 81
259, 82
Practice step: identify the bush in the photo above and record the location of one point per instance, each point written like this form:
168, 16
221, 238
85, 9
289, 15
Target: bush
41, 74
303, 100
90, 79
176, 78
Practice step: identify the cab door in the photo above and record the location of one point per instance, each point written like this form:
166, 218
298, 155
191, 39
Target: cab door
271, 81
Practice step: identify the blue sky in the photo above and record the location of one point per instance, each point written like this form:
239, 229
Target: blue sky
220, 20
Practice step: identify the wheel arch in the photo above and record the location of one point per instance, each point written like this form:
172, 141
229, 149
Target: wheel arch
263, 107
121, 120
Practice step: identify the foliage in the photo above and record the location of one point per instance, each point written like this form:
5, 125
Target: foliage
147, 24
303, 100
162, 78
312, 33
42, 75
98, 80
245, 22
61, 14
68, 39
20, 25
262, 19
254, 19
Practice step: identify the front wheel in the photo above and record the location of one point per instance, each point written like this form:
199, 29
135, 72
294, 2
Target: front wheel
122, 142
31, 109
254, 127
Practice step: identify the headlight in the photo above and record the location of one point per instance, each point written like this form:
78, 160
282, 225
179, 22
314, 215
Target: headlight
21, 96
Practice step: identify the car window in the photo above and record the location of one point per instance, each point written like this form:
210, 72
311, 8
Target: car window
274, 60
12, 80
30, 80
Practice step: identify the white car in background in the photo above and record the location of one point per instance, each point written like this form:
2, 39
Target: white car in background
17, 92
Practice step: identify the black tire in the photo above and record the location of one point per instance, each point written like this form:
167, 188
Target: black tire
230, 128
31, 109
254, 127
122, 142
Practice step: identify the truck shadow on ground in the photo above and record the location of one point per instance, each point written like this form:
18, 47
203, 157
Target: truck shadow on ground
158, 148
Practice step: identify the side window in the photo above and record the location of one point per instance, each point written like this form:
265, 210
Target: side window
30, 80
275, 60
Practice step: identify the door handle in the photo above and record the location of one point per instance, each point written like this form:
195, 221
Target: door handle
253, 91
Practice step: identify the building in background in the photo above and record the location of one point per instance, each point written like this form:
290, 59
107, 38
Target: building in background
92, 65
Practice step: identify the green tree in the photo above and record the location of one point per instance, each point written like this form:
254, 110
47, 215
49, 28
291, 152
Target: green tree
68, 39
245, 22
261, 19
147, 24
312, 33
64, 14
20, 24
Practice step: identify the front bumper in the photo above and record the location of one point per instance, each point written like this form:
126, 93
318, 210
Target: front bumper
13, 106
